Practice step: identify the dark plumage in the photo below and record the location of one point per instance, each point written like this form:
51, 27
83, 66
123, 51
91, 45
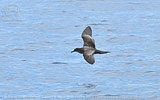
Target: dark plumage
89, 48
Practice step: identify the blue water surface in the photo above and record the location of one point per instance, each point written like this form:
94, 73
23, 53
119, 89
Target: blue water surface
36, 38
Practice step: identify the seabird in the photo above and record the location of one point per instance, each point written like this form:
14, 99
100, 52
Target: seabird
88, 50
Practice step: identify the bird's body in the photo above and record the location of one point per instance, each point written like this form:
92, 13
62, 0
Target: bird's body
88, 50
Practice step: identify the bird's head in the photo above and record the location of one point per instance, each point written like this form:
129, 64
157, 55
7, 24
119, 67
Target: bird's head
80, 50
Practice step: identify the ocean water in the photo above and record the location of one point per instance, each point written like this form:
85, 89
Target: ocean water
37, 37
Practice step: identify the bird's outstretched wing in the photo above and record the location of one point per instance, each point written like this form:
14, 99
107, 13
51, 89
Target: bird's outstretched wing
88, 56
87, 37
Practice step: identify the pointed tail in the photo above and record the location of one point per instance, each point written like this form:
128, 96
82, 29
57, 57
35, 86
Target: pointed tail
101, 52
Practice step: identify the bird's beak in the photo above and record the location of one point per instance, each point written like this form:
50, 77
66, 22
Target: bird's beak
72, 51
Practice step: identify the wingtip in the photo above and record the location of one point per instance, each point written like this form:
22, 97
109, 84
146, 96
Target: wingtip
88, 27
91, 63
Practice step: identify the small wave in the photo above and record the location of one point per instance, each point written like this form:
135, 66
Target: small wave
59, 63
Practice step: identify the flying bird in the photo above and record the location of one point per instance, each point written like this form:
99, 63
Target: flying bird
89, 49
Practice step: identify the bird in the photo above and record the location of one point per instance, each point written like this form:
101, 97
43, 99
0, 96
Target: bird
89, 49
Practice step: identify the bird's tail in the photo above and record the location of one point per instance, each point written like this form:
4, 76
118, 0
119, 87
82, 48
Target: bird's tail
101, 52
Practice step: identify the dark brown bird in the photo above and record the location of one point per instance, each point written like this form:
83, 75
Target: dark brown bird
88, 50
